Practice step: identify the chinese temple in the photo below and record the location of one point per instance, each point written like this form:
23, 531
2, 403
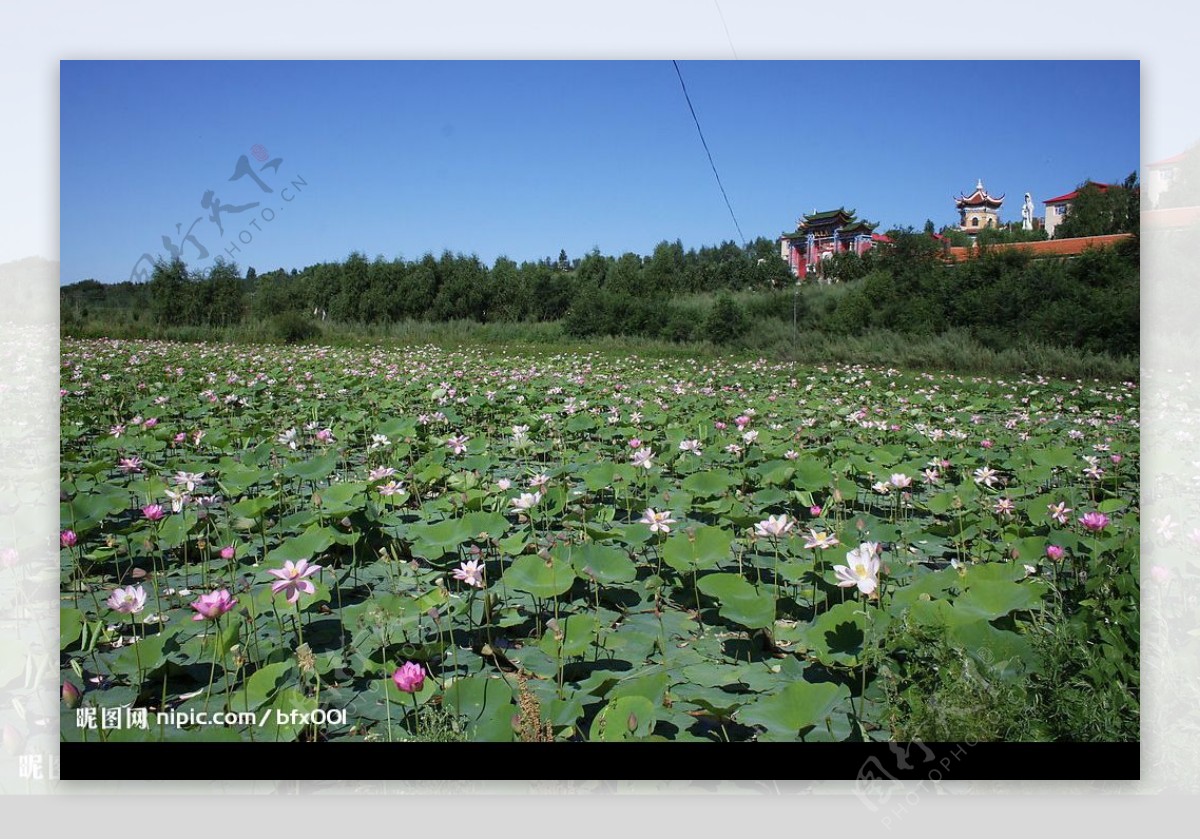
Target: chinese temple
819, 236
978, 210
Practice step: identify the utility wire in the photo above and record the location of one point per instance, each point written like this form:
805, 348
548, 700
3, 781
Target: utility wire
704, 142
721, 14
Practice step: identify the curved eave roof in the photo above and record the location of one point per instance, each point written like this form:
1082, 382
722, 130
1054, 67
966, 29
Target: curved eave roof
979, 199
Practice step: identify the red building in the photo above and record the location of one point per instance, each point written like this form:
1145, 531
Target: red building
819, 236
1058, 207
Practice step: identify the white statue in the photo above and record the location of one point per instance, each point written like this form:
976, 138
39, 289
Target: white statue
1027, 213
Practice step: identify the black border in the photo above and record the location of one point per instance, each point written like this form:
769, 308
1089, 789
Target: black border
884, 761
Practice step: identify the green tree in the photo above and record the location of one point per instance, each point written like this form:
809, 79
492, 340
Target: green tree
349, 303
1098, 210
225, 295
509, 295
593, 269
171, 294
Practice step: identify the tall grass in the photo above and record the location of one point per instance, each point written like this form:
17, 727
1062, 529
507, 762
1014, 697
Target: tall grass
954, 351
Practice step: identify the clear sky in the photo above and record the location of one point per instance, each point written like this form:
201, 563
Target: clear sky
525, 158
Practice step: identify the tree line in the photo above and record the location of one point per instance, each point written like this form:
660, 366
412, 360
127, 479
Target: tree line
722, 293
450, 287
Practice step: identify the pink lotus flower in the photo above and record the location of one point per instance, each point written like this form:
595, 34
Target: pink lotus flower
188, 480
658, 522
985, 475
67, 538
1094, 521
409, 677
213, 605
900, 481
180, 438
815, 510
153, 512
819, 539
1115, 458
130, 465
635, 443
292, 579
151, 423
457, 444
986, 444
774, 526
130, 600
325, 435
1059, 512
862, 569
1054, 552
719, 426
227, 552
526, 501
470, 573
71, 695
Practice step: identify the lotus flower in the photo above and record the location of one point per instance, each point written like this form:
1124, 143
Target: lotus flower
862, 569
819, 539
659, 522
292, 579
1094, 521
470, 573
213, 605
129, 600
526, 500
774, 526
409, 677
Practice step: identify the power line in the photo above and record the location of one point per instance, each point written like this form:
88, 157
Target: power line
704, 142
721, 14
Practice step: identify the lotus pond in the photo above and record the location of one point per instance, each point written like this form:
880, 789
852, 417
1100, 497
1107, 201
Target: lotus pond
264, 544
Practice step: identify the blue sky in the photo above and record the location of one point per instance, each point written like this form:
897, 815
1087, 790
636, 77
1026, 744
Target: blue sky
524, 158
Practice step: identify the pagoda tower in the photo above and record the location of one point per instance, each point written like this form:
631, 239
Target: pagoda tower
978, 210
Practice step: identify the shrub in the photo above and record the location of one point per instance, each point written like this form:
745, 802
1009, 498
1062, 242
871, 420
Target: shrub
726, 321
294, 328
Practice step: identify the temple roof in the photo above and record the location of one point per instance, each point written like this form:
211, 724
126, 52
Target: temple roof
980, 197
858, 225
829, 215
1073, 194
1165, 162
827, 219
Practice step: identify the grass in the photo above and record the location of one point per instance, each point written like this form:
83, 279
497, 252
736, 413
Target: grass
771, 338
